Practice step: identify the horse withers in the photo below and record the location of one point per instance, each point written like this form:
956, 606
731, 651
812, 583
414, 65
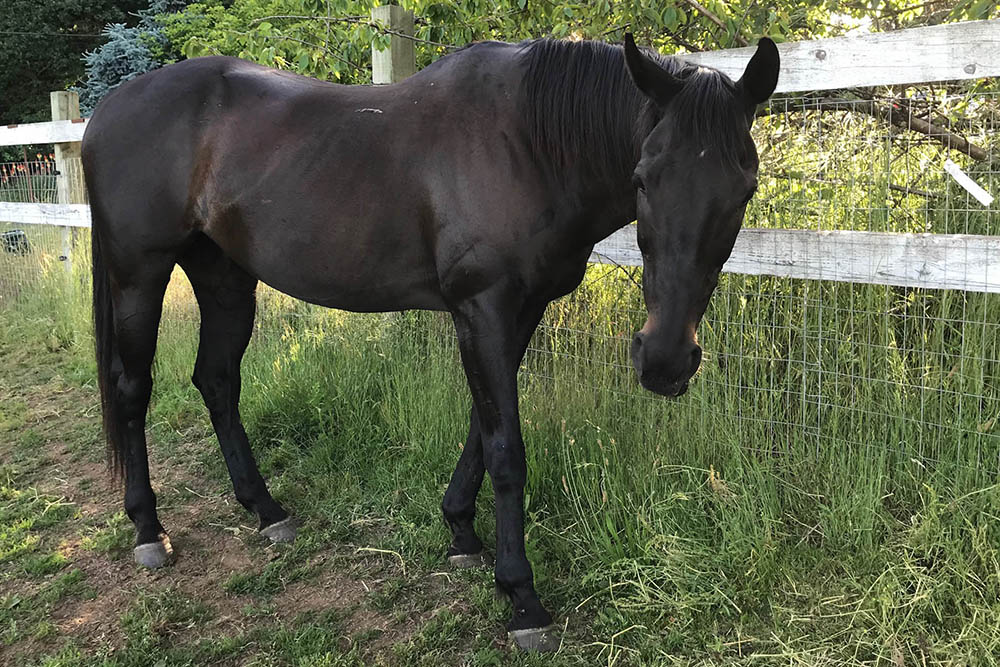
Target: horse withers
508, 163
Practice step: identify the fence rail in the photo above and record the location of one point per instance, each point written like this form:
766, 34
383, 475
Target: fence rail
934, 261
949, 52
49, 132
31, 213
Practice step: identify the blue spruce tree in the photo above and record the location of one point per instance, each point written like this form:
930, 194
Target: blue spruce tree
127, 53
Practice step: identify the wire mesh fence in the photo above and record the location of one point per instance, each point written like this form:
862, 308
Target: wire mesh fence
795, 364
792, 367
26, 251
29, 180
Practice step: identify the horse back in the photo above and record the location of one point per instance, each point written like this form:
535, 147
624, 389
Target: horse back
358, 197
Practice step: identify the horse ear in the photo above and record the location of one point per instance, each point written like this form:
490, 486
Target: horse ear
655, 82
761, 75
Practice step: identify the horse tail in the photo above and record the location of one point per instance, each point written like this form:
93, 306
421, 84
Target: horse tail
104, 347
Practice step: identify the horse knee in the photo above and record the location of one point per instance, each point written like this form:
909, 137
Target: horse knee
214, 384
504, 458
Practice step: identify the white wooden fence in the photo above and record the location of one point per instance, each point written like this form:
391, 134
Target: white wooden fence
969, 50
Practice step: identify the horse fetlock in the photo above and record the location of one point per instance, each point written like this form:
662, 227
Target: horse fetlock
464, 540
465, 543
141, 509
528, 613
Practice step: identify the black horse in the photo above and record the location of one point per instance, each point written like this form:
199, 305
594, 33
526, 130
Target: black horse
478, 186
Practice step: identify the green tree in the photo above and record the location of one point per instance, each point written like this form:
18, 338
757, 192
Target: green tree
331, 38
127, 53
41, 42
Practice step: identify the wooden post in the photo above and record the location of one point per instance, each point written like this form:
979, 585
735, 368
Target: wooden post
70, 187
398, 61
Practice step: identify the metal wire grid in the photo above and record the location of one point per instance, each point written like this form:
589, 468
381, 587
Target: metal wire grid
788, 363
29, 181
27, 251
809, 364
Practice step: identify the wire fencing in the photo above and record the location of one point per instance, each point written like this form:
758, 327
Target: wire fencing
27, 251
800, 365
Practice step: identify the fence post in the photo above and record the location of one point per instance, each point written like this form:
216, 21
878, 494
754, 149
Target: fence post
70, 186
398, 61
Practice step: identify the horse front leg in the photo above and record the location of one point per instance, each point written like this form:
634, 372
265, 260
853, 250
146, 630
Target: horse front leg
491, 350
459, 503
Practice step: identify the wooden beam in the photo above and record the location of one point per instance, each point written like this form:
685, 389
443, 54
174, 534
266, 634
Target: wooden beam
953, 51
63, 215
70, 186
398, 61
50, 132
932, 261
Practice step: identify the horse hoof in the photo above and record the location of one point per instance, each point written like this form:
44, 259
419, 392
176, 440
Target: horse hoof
153, 555
283, 531
470, 561
536, 640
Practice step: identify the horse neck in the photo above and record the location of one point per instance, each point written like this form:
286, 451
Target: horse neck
597, 205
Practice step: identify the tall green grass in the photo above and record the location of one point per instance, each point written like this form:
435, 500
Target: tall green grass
826, 492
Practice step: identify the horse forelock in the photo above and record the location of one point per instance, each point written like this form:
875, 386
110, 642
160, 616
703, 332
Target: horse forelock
707, 110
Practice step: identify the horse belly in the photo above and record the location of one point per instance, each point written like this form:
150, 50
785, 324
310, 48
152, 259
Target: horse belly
335, 263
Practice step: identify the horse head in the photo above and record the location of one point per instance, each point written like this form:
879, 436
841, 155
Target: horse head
697, 172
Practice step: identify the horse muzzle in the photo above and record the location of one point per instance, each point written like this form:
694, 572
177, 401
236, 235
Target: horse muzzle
662, 371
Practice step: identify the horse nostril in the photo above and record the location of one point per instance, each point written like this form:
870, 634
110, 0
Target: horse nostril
636, 356
695, 359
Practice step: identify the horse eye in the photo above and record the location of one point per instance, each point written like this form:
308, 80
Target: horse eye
637, 183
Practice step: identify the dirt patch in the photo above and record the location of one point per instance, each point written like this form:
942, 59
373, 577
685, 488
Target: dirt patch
210, 548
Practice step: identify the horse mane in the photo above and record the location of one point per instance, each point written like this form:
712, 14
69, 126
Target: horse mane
583, 109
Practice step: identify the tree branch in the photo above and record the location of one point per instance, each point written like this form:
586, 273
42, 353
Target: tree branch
716, 20
374, 25
894, 114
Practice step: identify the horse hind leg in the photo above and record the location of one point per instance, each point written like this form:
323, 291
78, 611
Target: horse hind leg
226, 298
135, 319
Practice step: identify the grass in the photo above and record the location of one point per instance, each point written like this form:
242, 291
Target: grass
717, 528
